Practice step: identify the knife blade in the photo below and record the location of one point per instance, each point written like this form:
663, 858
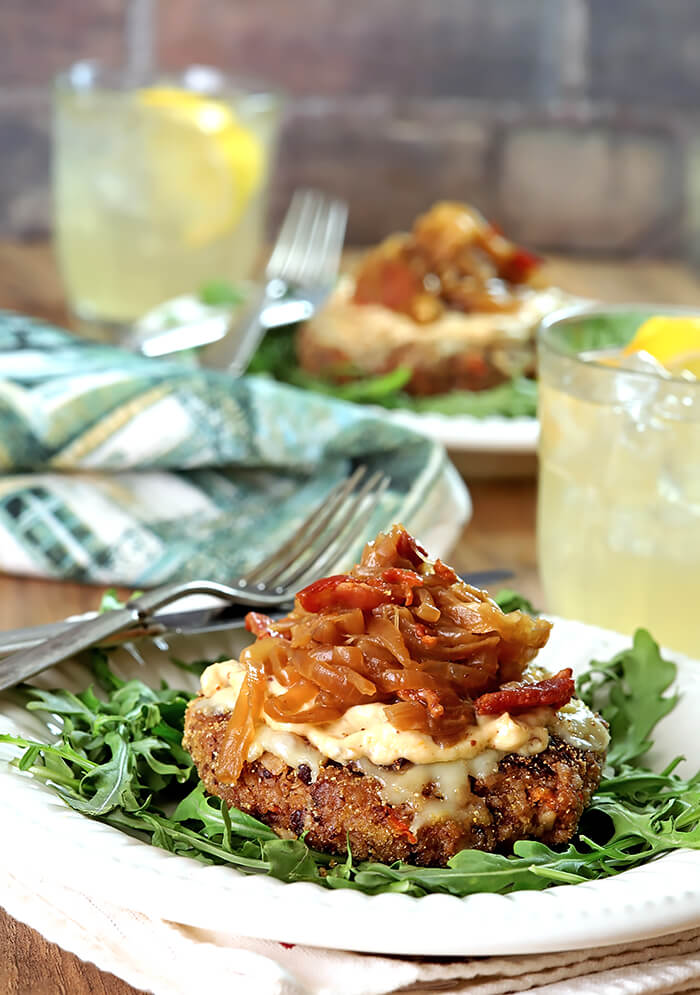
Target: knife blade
191, 622
213, 327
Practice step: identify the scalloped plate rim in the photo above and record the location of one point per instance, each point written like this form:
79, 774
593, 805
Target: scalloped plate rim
651, 900
465, 433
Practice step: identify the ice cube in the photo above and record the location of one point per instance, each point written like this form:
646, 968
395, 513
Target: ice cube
644, 362
636, 395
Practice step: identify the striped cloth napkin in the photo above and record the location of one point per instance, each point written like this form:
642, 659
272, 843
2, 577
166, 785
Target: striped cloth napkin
115, 468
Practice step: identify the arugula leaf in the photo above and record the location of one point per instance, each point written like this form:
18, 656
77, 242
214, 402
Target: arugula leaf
196, 667
221, 293
276, 357
628, 691
514, 399
381, 389
291, 860
104, 787
200, 807
48, 752
105, 678
510, 601
111, 602
58, 703
120, 759
601, 331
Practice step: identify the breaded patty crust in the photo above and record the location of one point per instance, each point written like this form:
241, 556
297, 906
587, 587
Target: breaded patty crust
527, 797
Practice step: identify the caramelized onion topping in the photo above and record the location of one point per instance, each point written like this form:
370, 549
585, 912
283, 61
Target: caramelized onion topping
397, 630
553, 692
453, 259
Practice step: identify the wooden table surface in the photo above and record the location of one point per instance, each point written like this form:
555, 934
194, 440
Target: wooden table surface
501, 533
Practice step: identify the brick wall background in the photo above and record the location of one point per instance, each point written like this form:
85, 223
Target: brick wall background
573, 123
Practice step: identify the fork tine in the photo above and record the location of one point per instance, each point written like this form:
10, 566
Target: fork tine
311, 254
305, 248
296, 211
308, 263
342, 539
343, 542
286, 233
313, 263
338, 541
266, 573
333, 242
297, 241
322, 260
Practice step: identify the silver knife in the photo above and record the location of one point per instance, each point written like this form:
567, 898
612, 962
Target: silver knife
193, 622
212, 328
196, 621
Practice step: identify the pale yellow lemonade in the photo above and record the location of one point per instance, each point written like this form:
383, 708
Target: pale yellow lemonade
619, 498
157, 191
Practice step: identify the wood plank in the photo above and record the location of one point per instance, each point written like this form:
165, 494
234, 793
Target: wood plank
29, 965
629, 281
29, 281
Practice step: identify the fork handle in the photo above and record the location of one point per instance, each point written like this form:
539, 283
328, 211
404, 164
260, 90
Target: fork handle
82, 635
233, 352
159, 597
250, 334
26, 663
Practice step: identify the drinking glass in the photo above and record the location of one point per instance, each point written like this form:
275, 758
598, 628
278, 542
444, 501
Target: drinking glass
618, 519
158, 187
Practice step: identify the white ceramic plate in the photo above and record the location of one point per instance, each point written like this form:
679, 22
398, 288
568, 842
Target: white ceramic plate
465, 434
43, 839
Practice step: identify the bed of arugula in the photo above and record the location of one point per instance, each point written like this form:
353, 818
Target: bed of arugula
119, 759
516, 398
276, 357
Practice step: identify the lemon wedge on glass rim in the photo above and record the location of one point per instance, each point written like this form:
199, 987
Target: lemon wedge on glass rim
204, 166
673, 341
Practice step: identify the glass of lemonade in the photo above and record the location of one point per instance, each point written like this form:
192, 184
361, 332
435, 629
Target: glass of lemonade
158, 188
618, 520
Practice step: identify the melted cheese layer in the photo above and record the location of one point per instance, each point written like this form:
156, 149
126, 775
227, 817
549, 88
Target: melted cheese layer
365, 733
370, 332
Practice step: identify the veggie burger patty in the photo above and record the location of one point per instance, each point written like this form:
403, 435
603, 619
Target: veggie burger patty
536, 797
398, 711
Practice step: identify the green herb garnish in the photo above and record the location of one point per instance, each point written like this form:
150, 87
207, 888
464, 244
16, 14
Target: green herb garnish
629, 692
119, 759
276, 357
510, 601
111, 602
221, 293
515, 399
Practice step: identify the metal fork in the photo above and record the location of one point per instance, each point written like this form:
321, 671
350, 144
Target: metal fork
303, 266
331, 529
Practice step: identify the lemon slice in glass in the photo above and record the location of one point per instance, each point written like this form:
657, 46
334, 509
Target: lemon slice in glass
203, 165
672, 341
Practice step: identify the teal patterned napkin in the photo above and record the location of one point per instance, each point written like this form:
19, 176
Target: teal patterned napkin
119, 469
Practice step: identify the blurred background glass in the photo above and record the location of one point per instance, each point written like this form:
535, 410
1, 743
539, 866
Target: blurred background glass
158, 187
619, 486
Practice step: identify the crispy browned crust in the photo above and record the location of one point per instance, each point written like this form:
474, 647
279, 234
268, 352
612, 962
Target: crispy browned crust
472, 369
539, 797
